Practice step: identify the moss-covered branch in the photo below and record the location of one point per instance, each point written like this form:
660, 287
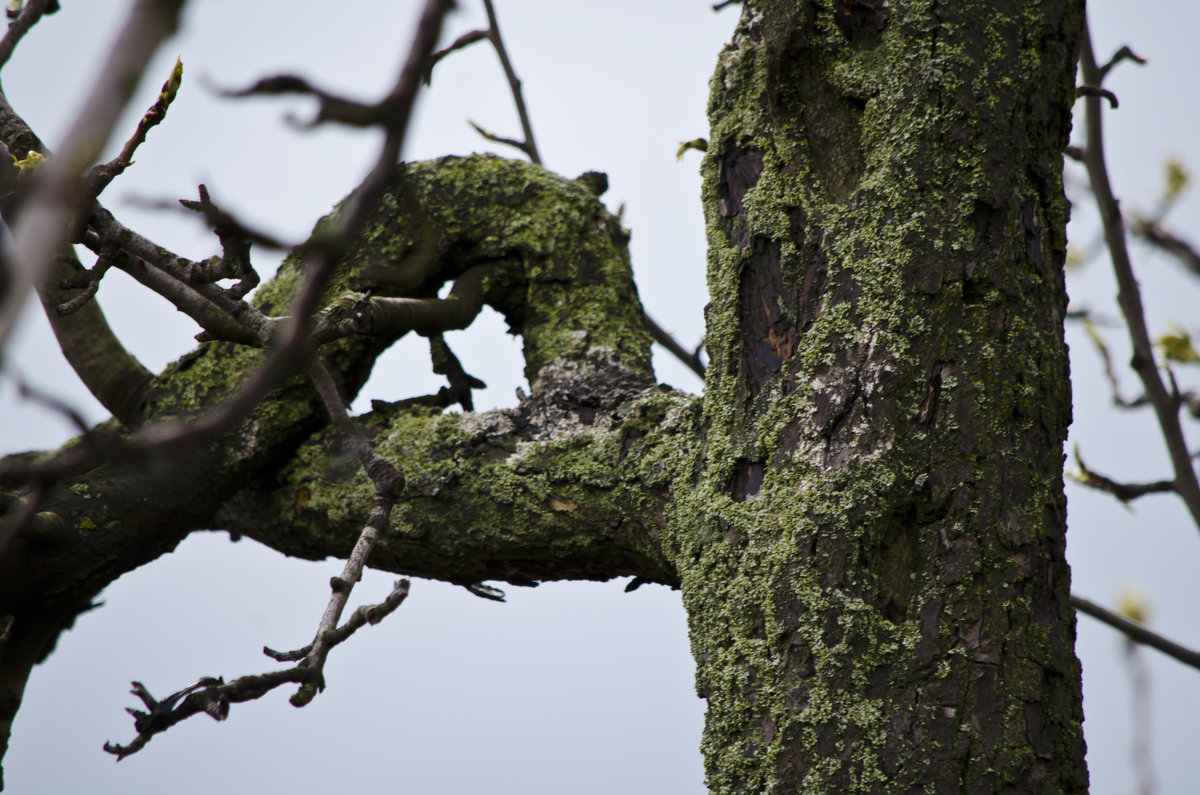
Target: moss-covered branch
573, 484
545, 253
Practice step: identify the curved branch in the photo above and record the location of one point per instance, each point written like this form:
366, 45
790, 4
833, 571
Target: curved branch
563, 281
111, 373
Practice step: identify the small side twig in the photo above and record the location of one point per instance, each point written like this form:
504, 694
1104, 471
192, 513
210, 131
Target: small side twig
1110, 372
90, 283
447, 364
102, 175
1123, 54
461, 43
32, 11
1125, 492
363, 615
1087, 90
492, 34
1172, 244
1137, 632
514, 83
513, 142
235, 245
660, 335
59, 406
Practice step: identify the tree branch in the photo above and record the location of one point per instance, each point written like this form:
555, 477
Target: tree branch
1166, 404
1137, 632
31, 12
691, 359
53, 202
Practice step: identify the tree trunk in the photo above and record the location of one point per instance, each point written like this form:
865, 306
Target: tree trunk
875, 578
864, 511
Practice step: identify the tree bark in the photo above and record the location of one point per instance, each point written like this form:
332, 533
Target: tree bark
875, 579
864, 511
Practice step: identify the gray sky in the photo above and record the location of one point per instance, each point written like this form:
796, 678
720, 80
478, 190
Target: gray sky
452, 693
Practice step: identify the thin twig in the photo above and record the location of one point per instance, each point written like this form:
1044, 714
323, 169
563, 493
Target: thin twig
1125, 492
1166, 404
29, 16
660, 335
1137, 632
1122, 54
461, 43
514, 83
43, 226
102, 175
513, 142
1087, 90
447, 364
1172, 244
59, 406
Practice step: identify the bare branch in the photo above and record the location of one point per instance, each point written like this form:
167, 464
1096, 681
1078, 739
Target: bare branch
692, 360
235, 245
29, 16
212, 696
1166, 404
447, 364
1137, 632
1172, 244
331, 107
492, 34
514, 82
461, 43
521, 145
54, 404
101, 176
208, 695
90, 282
1087, 90
43, 225
1125, 492
392, 317
1122, 54
363, 615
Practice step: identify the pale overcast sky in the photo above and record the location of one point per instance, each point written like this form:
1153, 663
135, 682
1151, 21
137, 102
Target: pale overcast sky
573, 687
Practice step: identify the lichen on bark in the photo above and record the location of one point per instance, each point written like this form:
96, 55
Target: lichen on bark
864, 511
878, 599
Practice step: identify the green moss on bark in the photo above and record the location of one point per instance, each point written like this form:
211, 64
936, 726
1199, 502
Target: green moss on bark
886, 404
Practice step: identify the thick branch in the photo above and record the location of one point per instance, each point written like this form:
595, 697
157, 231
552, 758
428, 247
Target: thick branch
571, 485
559, 271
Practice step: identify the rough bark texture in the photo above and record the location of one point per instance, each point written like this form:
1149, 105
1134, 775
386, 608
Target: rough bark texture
864, 511
876, 584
